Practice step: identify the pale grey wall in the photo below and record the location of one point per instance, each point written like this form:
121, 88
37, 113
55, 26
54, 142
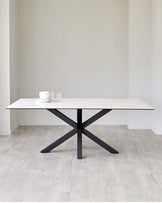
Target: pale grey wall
117, 44
140, 59
157, 66
4, 68
13, 21
78, 47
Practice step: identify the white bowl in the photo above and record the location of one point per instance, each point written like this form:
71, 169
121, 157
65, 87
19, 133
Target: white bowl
45, 95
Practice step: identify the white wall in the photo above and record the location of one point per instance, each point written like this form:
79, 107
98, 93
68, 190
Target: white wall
84, 48
157, 66
4, 68
13, 21
77, 47
140, 59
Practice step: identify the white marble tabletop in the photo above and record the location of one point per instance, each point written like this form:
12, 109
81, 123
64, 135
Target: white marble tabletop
82, 103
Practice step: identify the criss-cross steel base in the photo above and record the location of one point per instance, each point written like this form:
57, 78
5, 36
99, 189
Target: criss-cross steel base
79, 128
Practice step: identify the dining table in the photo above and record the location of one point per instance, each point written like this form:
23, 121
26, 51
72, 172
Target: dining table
102, 105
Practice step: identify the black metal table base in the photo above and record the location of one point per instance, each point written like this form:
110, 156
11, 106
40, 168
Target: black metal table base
79, 129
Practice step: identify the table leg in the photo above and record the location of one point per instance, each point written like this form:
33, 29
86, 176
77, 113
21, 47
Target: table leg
59, 141
100, 142
79, 128
79, 134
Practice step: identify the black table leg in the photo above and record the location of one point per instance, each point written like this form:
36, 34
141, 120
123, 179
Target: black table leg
79, 128
100, 142
59, 141
79, 134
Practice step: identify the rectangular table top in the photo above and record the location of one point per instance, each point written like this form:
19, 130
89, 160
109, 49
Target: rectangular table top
82, 103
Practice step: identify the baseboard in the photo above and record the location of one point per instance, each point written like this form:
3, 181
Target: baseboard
24, 124
138, 127
13, 128
157, 131
5, 133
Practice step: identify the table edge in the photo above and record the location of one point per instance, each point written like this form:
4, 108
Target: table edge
8, 108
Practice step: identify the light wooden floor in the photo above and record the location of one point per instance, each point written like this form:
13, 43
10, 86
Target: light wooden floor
133, 175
